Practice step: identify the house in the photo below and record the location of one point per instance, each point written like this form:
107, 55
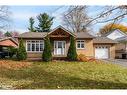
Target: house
100, 47
8, 41
121, 38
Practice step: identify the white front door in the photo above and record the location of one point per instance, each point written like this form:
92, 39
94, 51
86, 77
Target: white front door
101, 52
59, 47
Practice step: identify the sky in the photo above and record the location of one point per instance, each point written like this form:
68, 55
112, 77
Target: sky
20, 16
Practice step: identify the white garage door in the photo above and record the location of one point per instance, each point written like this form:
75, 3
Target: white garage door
101, 52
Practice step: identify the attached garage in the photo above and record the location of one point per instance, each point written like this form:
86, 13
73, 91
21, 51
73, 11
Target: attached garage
104, 48
101, 52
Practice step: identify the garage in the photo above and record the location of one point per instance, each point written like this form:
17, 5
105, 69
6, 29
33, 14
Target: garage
104, 48
101, 52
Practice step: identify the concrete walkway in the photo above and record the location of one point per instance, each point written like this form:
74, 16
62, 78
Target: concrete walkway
122, 62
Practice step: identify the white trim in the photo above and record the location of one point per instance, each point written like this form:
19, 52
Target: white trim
80, 44
35, 46
56, 42
122, 32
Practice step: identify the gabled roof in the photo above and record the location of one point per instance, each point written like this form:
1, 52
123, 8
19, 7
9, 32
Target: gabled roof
84, 34
9, 38
122, 39
61, 27
103, 40
105, 35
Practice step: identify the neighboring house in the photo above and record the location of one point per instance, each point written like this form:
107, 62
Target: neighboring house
121, 37
8, 41
100, 47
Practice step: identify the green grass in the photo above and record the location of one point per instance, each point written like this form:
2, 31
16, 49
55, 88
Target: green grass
66, 75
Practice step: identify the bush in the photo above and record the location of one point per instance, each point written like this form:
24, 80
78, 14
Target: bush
83, 58
21, 52
47, 53
12, 51
72, 54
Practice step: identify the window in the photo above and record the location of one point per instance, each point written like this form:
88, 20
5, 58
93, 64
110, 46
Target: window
80, 44
35, 45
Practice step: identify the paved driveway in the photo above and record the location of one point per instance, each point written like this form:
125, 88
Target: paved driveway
122, 62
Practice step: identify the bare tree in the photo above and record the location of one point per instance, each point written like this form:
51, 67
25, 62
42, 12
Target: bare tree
4, 16
112, 14
76, 18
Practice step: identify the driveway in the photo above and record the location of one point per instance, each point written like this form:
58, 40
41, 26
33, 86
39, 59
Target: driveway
122, 62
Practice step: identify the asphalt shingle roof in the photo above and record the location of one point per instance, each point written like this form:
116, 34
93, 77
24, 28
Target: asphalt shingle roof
33, 35
105, 40
83, 35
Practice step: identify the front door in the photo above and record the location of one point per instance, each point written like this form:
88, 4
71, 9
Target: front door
59, 47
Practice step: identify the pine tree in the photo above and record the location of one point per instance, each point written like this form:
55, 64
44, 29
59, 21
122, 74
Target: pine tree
47, 53
21, 52
31, 27
72, 54
45, 22
8, 34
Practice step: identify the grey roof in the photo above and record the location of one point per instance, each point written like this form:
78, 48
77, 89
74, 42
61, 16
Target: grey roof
108, 33
122, 38
105, 40
83, 35
32, 35
43, 34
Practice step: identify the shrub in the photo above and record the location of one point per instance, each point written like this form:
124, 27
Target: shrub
82, 57
21, 52
12, 51
72, 54
47, 54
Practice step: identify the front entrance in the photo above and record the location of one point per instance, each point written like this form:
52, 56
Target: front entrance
59, 47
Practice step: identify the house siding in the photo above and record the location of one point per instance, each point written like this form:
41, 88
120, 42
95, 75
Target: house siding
120, 49
88, 50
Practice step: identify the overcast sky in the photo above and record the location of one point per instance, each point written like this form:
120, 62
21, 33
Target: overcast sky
21, 14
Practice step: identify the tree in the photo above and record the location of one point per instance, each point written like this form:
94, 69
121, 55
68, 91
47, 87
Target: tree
31, 27
8, 34
4, 16
72, 54
47, 53
76, 18
21, 52
45, 22
110, 14
12, 51
112, 26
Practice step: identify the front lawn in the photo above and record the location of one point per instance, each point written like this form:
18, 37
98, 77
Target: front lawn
63, 75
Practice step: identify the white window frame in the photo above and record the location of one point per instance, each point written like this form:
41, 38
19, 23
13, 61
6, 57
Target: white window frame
30, 41
77, 41
57, 47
